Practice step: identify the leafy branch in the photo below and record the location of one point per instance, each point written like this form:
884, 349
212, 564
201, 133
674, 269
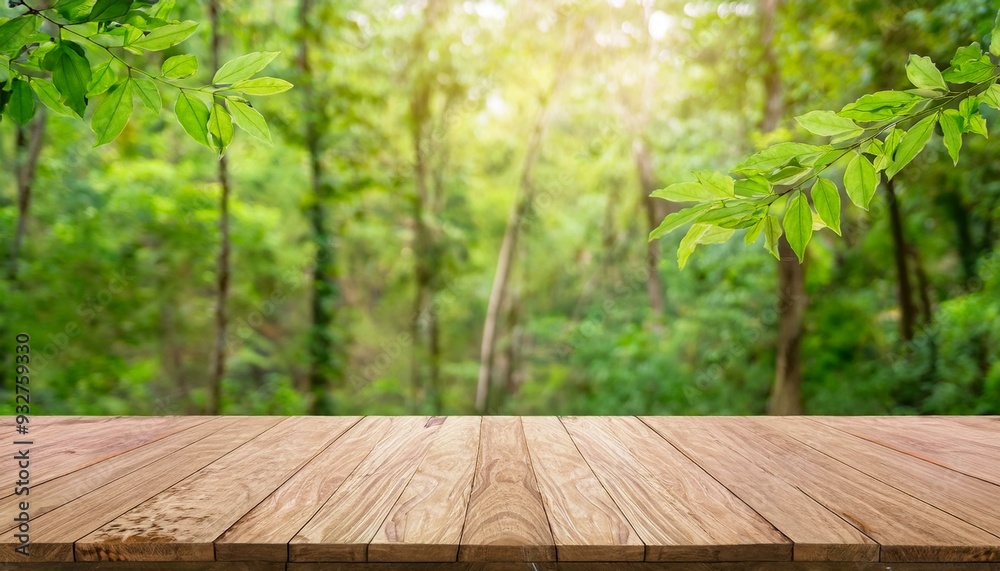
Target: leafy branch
769, 193
38, 63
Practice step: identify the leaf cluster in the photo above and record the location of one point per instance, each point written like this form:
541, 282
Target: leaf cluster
786, 189
70, 57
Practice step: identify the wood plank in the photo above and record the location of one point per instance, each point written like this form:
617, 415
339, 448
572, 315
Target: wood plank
817, 533
586, 524
56, 492
54, 533
348, 521
264, 532
970, 499
506, 519
151, 566
948, 450
648, 566
182, 522
426, 523
63, 445
680, 512
906, 528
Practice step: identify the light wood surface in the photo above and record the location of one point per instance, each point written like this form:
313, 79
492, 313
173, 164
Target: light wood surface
818, 534
586, 523
342, 529
509, 493
426, 523
506, 519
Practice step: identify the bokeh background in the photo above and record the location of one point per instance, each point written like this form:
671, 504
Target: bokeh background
366, 240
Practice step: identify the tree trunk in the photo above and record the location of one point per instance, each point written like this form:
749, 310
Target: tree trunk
325, 362
907, 310
222, 269
786, 394
508, 251
28, 147
647, 184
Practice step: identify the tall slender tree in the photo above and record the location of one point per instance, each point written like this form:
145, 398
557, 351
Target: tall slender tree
786, 392
225, 246
325, 358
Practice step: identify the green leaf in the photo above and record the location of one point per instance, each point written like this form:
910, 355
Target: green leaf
193, 115
754, 231
112, 114
248, 119
75, 10
752, 186
966, 54
977, 125
166, 36
105, 10
49, 95
991, 96
970, 72
14, 32
220, 128
731, 216
684, 192
884, 157
880, 105
789, 175
922, 73
828, 124
951, 125
243, 67
678, 219
718, 184
798, 223
772, 233
826, 198
780, 155
101, 79
261, 86
22, 102
148, 93
860, 180
71, 75
178, 67
912, 143
700, 234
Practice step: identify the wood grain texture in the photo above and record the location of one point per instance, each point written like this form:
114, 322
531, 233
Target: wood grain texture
506, 519
916, 438
818, 534
54, 533
63, 445
906, 528
426, 523
586, 524
181, 522
264, 532
348, 521
967, 498
680, 512
58, 491
650, 566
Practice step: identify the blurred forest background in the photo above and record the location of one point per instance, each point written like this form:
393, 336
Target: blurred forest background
446, 170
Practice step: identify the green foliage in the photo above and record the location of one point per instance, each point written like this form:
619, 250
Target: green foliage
881, 132
70, 55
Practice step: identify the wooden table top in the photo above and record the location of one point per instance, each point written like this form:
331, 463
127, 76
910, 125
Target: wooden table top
309, 493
